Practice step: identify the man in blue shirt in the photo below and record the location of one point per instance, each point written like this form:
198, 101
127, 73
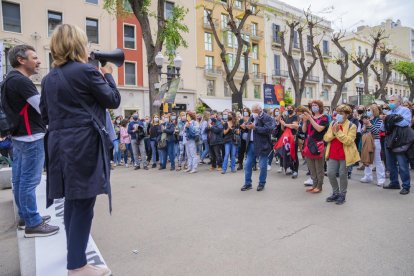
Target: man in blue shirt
394, 158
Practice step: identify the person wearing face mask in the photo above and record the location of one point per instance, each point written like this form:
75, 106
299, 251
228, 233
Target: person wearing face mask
204, 136
180, 129
154, 136
397, 162
117, 152
276, 132
134, 128
340, 152
291, 121
125, 138
315, 128
259, 144
192, 129
244, 135
215, 134
168, 128
231, 141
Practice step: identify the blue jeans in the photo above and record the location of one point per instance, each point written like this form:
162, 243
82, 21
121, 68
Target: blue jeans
128, 148
229, 150
206, 150
153, 151
398, 163
117, 152
28, 161
250, 161
169, 150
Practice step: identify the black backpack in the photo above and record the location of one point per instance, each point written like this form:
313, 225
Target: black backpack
9, 120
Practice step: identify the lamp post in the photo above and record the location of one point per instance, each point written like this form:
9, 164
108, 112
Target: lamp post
360, 91
173, 71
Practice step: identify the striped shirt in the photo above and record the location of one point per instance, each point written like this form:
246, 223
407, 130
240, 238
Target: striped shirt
375, 128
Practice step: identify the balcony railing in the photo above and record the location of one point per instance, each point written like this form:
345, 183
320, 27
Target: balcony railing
312, 78
327, 81
280, 73
276, 41
207, 24
213, 71
257, 77
256, 34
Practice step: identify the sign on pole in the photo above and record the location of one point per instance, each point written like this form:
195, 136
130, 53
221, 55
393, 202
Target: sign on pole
273, 96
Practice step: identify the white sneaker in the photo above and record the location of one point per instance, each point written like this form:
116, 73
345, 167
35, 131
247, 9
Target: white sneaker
193, 171
308, 181
288, 171
366, 180
90, 270
126, 165
380, 184
279, 170
269, 167
187, 170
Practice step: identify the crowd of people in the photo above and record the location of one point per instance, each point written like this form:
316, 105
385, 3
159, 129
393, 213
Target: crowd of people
332, 143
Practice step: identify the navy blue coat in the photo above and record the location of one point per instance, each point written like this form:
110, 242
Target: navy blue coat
74, 149
264, 124
169, 129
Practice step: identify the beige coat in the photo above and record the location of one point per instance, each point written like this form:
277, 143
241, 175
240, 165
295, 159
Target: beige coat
347, 138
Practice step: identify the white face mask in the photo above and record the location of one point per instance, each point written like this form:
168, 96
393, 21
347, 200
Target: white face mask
166, 120
156, 120
118, 121
255, 115
246, 114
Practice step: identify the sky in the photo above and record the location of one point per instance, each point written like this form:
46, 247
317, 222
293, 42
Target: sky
347, 14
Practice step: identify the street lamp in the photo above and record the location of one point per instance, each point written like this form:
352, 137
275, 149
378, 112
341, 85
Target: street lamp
172, 71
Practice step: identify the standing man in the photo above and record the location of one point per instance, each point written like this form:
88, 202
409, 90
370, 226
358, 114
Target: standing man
21, 101
259, 144
397, 162
137, 131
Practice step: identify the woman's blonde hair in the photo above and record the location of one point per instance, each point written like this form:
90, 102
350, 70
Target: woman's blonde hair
68, 42
344, 108
375, 110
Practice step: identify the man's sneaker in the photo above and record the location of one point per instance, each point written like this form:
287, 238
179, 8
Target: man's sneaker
404, 191
42, 230
146, 168
366, 180
126, 165
21, 225
137, 167
340, 200
154, 165
269, 167
308, 182
288, 171
90, 270
332, 198
294, 175
279, 170
246, 187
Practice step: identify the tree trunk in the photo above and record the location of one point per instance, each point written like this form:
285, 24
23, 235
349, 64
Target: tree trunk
237, 101
298, 96
366, 80
411, 98
338, 94
152, 79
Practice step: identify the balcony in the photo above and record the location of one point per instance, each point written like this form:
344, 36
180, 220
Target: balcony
311, 78
212, 72
327, 81
280, 74
276, 42
207, 25
256, 34
327, 54
257, 77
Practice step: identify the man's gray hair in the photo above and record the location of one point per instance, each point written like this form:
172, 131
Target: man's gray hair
257, 106
397, 97
18, 51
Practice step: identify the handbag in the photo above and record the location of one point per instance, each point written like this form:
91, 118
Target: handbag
122, 147
162, 143
313, 149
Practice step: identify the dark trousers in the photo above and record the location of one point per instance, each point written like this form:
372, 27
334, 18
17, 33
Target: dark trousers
216, 158
78, 221
242, 152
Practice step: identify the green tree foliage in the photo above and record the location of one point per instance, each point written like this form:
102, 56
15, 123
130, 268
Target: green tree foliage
406, 68
288, 98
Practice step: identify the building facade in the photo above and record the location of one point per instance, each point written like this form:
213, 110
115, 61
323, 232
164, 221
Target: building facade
213, 89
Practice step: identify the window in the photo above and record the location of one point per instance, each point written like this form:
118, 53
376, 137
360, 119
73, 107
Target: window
254, 28
325, 46
226, 89
277, 64
209, 62
245, 92
325, 94
344, 97
169, 7
359, 51
296, 64
92, 1
309, 46
257, 93
255, 69
130, 76
53, 19
275, 32
255, 51
295, 40
11, 17
230, 63
129, 36
309, 93
238, 4
241, 66
224, 21
229, 39
390, 91
92, 30
50, 61
253, 8
208, 41
127, 6
206, 12
210, 88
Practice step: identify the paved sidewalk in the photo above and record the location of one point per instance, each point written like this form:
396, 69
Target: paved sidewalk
202, 224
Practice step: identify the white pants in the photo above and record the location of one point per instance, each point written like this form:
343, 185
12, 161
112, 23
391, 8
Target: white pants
378, 164
191, 151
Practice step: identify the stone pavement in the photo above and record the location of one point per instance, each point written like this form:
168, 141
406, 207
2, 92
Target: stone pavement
202, 224
174, 223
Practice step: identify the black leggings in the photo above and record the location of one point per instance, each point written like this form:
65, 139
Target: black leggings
215, 154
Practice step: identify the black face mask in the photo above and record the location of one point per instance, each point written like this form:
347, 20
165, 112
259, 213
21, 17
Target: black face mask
290, 112
360, 112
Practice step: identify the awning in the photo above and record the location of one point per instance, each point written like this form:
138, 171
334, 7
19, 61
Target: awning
222, 104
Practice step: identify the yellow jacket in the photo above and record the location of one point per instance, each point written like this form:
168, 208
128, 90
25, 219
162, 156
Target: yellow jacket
347, 137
